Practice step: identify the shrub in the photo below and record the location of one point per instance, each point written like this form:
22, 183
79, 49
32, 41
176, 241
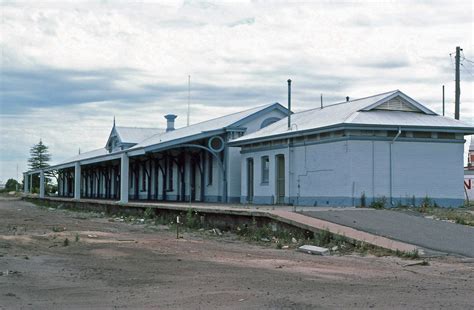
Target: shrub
363, 202
425, 204
192, 219
12, 185
379, 203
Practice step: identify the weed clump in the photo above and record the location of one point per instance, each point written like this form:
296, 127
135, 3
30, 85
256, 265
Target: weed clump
410, 255
192, 219
379, 203
425, 204
324, 237
149, 213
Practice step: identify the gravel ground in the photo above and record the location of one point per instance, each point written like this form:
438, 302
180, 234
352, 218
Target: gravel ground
120, 265
431, 234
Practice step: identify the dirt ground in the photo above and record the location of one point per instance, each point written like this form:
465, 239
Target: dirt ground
121, 265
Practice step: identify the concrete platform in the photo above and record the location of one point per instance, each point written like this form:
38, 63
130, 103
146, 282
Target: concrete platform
436, 236
280, 214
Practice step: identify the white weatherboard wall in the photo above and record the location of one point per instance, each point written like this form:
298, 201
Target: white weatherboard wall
321, 174
419, 170
338, 173
233, 174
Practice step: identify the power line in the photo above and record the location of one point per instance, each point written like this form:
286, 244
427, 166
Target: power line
466, 69
464, 57
472, 62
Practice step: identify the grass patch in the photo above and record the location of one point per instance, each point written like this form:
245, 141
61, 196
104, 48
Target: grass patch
428, 207
58, 229
410, 255
460, 215
268, 234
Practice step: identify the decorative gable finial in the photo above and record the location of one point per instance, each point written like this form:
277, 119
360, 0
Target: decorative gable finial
114, 121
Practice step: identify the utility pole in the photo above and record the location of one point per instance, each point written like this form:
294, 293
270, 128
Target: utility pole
458, 81
443, 100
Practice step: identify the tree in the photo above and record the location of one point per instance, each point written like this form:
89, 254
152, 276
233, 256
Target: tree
39, 158
11, 185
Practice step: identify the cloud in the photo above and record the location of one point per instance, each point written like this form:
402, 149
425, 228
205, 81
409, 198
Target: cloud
245, 21
68, 67
385, 64
24, 88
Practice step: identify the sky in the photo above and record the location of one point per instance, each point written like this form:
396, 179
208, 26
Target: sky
69, 67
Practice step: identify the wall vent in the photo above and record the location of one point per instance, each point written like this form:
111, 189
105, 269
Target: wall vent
397, 104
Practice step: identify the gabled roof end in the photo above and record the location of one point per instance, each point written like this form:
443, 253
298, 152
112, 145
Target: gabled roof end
411, 104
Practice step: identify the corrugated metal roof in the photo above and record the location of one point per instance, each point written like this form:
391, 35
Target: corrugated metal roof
351, 113
210, 125
133, 134
399, 118
136, 134
85, 155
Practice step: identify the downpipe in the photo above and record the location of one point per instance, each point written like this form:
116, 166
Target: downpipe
391, 164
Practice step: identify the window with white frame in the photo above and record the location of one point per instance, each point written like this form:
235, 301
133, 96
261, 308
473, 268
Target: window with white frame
265, 169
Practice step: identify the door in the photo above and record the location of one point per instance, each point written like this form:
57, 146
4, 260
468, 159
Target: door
193, 179
250, 180
280, 179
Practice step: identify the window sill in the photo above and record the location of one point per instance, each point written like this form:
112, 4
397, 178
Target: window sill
264, 183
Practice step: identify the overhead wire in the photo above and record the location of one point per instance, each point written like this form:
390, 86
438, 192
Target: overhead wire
466, 69
465, 58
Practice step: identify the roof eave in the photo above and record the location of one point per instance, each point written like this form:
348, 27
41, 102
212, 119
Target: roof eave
175, 143
276, 105
292, 134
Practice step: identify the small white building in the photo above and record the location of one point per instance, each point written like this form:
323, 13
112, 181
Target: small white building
385, 147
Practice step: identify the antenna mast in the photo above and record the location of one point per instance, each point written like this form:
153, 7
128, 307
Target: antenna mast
189, 97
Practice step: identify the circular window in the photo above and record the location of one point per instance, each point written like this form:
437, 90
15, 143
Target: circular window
216, 144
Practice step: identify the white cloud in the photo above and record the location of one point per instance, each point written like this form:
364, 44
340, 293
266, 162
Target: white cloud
238, 54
